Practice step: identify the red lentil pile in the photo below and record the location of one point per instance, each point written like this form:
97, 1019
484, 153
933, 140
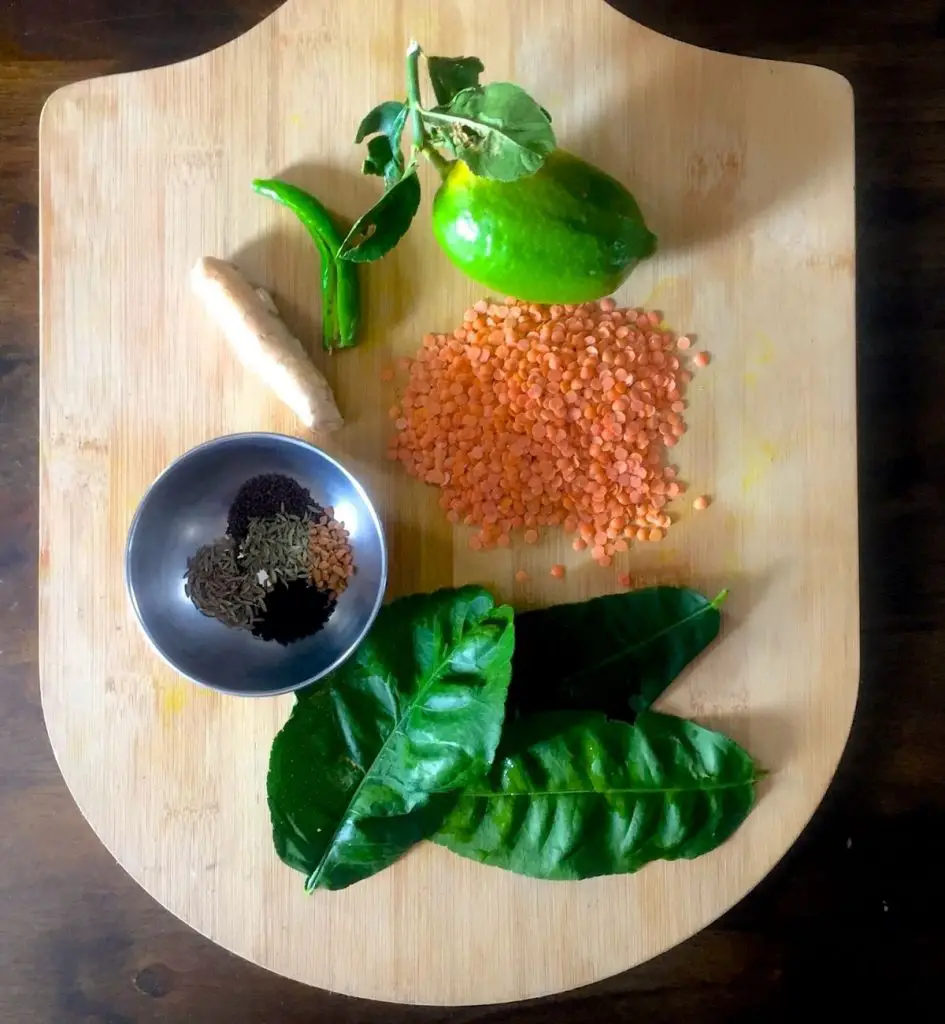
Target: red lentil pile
529, 416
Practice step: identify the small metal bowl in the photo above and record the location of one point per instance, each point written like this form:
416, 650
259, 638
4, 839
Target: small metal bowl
187, 507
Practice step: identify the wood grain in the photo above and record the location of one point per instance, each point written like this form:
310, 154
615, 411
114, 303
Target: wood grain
748, 172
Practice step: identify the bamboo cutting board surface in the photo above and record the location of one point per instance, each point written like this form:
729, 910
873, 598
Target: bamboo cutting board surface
745, 171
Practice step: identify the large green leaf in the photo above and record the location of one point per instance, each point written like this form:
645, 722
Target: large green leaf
583, 796
417, 711
613, 654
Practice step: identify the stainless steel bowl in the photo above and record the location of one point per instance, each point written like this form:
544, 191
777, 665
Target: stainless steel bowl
187, 506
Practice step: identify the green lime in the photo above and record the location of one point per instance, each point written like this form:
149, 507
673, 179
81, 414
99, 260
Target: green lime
567, 234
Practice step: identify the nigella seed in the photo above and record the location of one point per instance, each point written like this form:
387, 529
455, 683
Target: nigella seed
294, 610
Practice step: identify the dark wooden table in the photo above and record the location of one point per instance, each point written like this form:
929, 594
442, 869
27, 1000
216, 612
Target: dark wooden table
853, 916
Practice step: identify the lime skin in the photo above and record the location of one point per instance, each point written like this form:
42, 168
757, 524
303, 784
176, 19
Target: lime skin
567, 234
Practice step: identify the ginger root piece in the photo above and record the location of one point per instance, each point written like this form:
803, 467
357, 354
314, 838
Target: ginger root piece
252, 325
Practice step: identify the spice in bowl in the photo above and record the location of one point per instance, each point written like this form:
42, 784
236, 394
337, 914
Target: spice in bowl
264, 496
294, 611
277, 547
220, 587
330, 559
280, 568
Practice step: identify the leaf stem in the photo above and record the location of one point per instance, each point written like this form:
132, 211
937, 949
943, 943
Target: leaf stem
413, 96
421, 141
439, 161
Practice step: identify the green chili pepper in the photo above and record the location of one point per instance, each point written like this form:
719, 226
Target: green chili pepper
341, 301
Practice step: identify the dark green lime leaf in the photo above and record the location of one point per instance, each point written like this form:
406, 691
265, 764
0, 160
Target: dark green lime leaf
585, 796
383, 226
380, 156
396, 134
451, 75
356, 772
614, 654
382, 160
497, 129
381, 119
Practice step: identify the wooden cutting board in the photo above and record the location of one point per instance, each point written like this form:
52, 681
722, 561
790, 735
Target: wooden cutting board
745, 171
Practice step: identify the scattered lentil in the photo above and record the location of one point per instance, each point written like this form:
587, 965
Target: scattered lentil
702, 502
557, 571
701, 359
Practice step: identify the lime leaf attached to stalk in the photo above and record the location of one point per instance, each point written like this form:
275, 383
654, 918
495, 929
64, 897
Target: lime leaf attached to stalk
513, 212
450, 75
385, 124
383, 226
498, 130
383, 161
498, 127
382, 119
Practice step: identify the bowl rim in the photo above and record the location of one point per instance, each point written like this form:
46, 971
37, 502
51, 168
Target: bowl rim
224, 439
